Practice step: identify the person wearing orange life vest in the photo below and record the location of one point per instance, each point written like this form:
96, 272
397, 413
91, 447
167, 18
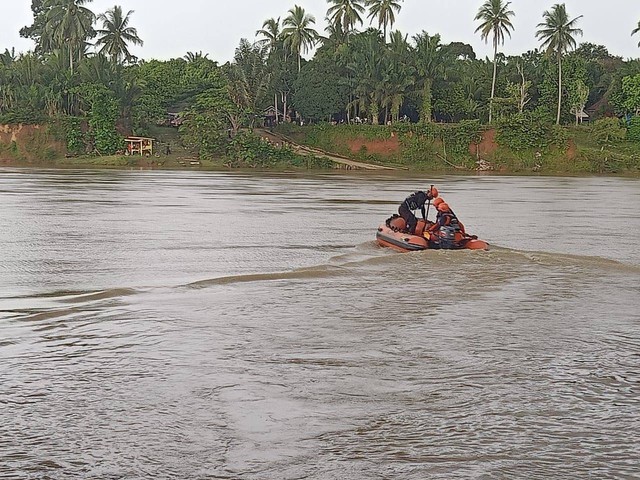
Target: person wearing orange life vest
413, 202
447, 230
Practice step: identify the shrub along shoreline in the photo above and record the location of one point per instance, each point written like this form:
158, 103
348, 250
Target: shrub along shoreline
520, 144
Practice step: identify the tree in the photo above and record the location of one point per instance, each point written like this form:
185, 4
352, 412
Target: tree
366, 65
36, 30
270, 32
578, 95
398, 75
636, 30
607, 130
193, 57
248, 77
298, 34
336, 37
68, 25
116, 34
319, 91
383, 11
523, 96
557, 35
102, 113
495, 18
345, 13
430, 58
631, 92
206, 121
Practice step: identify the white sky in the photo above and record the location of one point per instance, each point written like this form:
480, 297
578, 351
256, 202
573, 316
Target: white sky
172, 28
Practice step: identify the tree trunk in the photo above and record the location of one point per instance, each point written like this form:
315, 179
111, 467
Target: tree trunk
275, 104
425, 114
284, 106
375, 113
523, 90
495, 70
559, 86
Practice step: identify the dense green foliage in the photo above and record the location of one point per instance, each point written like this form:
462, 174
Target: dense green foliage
249, 151
524, 131
634, 129
373, 82
102, 114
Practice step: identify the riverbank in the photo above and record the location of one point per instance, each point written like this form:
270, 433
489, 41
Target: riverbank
518, 148
433, 148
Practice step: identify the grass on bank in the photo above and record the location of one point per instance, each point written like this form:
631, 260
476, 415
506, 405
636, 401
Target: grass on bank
573, 150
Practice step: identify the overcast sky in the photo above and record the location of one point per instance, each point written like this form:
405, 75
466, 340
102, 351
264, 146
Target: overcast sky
172, 28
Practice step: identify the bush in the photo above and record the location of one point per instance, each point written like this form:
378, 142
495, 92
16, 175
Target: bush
633, 130
607, 130
524, 131
249, 150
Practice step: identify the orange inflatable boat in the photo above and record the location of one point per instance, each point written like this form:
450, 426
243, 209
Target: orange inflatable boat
391, 234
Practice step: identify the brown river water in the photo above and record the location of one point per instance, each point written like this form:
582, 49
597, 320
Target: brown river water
203, 325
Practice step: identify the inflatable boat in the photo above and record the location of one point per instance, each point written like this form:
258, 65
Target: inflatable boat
392, 234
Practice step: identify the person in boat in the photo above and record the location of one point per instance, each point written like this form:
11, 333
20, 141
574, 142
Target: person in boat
447, 231
414, 202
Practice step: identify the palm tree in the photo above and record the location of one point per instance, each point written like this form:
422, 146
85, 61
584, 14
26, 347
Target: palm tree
636, 30
8, 57
346, 13
252, 70
399, 74
383, 10
270, 32
430, 61
298, 35
116, 34
335, 36
192, 57
495, 17
68, 24
367, 69
556, 34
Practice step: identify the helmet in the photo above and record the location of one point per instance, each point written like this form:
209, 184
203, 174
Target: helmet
443, 207
437, 202
432, 192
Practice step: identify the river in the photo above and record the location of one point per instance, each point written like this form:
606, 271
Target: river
201, 325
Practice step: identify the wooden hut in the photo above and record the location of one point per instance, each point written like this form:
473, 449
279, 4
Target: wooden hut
271, 117
139, 146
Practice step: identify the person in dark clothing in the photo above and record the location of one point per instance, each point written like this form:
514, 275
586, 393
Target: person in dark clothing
447, 231
413, 202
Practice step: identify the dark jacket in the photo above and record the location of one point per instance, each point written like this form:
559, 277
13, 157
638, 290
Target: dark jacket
416, 201
446, 219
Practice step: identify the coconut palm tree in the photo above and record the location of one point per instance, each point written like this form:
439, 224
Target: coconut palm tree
557, 35
383, 11
116, 34
335, 36
192, 57
68, 25
298, 34
636, 30
495, 17
270, 32
346, 13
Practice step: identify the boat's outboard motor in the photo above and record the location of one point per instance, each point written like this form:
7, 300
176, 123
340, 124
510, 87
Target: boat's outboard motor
447, 236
